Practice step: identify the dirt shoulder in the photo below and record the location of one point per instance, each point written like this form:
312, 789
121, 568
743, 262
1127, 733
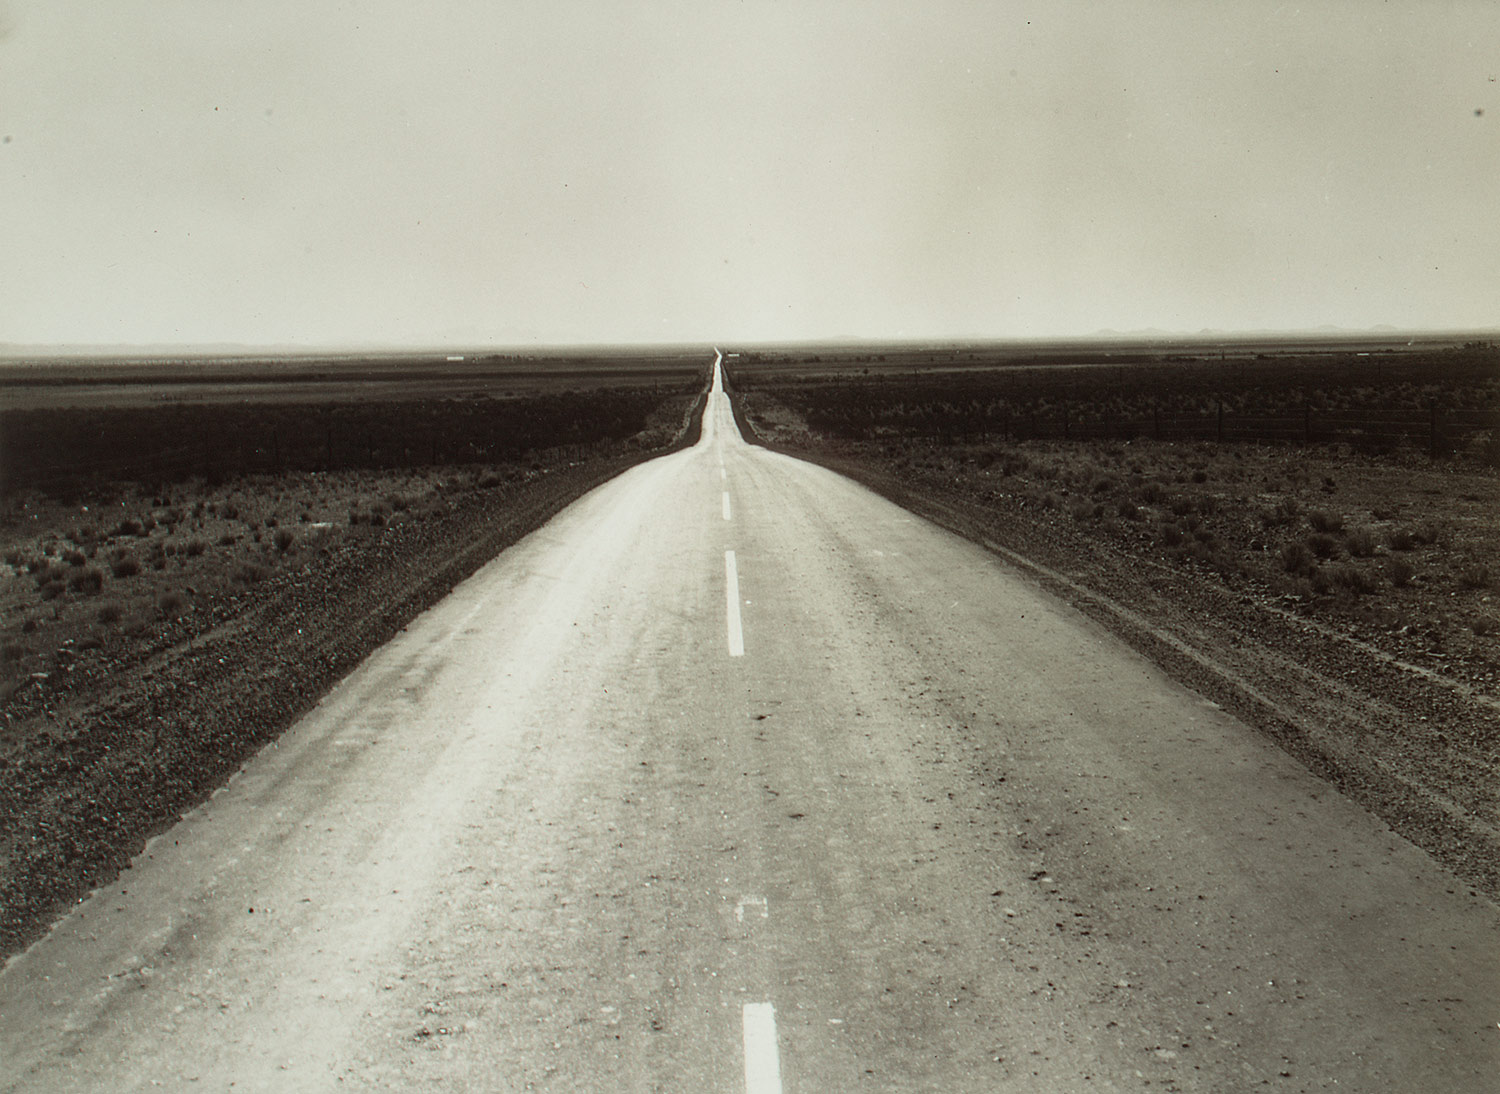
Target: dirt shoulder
1372, 660
157, 705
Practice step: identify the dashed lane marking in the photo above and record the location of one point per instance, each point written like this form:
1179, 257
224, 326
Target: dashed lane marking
726, 505
732, 603
762, 1058
751, 902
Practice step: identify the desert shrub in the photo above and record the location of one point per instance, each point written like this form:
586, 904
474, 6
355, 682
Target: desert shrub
51, 590
48, 574
15, 559
12, 652
1296, 586
228, 539
1402, 539
1196, 550
1296, 558
195, 547
1360, 543
128, 528
1326, 522
1128, 509
248, 573
86, 582
1182, 506
1153, 492
1482, 625
228, 511
90, 642
1401, 572
1105, 485
125, 566
1200, 476
1287, 510
75, 557
1476, 575
283, 540
1355, 579
1081, 509
1321, 582
110, 614
1171, 535
170, 604
1323, 545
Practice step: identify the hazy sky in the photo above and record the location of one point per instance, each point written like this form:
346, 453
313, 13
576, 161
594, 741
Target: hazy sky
509, 171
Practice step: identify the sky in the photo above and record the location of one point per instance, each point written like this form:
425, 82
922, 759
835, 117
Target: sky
510, 172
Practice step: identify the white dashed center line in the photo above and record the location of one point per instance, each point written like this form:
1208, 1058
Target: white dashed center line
732, 602
762, 1060
726, 505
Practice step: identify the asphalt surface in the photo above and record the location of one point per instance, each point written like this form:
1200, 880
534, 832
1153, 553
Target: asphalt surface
737, 777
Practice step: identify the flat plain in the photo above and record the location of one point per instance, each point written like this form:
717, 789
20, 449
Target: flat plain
1309, 534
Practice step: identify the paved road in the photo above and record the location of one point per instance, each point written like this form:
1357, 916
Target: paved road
736, 777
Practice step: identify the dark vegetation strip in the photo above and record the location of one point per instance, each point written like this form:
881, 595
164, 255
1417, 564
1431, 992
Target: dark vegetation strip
1435, 401
67, 452
79, 801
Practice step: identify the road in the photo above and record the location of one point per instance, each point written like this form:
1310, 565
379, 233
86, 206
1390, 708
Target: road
735, 777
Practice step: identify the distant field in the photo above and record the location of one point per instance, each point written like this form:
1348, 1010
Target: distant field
81, 382
876, 360
1437, 397
71, 426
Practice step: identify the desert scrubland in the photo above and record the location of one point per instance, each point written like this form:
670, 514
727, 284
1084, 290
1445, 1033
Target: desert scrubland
187, 562
1309, 536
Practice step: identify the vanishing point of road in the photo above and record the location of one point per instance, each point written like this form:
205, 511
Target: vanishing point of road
736, 777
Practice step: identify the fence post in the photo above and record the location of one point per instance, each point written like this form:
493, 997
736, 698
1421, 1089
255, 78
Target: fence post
1219, 429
